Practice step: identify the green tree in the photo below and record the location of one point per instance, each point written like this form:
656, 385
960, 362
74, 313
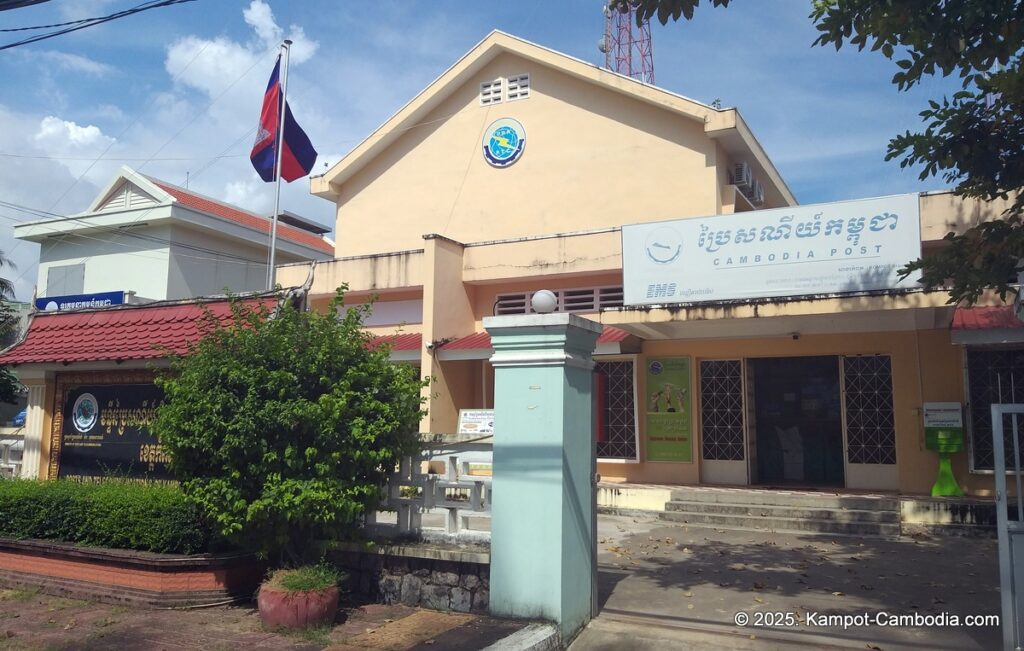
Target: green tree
974, 139
283, 424
10, 387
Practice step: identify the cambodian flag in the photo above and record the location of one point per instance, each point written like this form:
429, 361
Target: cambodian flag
298, 155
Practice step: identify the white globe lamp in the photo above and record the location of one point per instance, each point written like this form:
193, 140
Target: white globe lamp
544, 302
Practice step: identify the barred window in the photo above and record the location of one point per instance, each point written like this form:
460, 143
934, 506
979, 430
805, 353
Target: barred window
616, 438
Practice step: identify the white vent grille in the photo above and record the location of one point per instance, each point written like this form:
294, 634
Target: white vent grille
583, 299
137, 198
118, 199
518, 87
490, 92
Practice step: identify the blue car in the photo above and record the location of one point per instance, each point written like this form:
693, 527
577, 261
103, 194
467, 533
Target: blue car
19, 418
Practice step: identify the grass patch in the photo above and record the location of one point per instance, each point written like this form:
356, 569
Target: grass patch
20, 594
310, 577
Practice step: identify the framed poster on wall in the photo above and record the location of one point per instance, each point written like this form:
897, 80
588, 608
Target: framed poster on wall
667, 410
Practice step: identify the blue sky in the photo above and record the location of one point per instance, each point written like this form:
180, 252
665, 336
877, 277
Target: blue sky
177, 91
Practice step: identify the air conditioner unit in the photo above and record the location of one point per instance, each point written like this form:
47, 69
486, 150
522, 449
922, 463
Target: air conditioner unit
741, 177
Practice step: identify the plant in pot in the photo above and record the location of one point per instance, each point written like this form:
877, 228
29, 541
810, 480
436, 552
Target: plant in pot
282, 425
299, 598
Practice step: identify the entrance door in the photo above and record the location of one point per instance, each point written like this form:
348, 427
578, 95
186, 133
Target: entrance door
798, 423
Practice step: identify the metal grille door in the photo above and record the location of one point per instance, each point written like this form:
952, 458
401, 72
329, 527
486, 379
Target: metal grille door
1006, 427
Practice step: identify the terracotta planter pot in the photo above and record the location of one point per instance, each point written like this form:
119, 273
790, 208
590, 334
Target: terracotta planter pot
282, 609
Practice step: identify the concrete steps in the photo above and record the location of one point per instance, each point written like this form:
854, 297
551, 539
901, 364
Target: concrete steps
785, 511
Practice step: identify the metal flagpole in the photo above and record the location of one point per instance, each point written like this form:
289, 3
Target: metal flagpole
279, 147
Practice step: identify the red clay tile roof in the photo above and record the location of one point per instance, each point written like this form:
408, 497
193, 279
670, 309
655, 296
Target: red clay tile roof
482, 340
406, 341
984, 318
243, 217
113, 334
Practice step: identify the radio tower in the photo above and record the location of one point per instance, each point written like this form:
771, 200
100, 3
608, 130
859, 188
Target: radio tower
626, 47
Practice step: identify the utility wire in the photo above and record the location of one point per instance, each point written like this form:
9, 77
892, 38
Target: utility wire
117, 158
154, 4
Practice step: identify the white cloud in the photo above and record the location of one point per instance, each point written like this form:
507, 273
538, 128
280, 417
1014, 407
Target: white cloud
248, 194
208, 65
77, 63
34, 181
259, 16
53, 132
79, 9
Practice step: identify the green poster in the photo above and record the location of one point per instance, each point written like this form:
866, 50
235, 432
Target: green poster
667, 405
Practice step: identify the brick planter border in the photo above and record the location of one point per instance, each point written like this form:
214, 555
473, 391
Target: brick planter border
127, 577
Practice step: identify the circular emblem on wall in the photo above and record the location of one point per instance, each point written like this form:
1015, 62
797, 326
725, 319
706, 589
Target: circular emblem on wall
663, 245
85, 412
655, 367
504, 141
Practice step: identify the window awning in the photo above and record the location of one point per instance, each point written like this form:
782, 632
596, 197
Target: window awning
404, 347
612, 341
986, 325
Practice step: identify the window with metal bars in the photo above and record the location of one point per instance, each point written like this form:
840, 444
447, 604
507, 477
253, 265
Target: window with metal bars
870, 416
721, 410
994, 376
585, 299
616, 422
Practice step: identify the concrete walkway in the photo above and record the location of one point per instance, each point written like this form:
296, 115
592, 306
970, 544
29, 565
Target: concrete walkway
665, 586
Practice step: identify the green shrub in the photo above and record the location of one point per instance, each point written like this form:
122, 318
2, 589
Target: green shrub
117, 514
283, 426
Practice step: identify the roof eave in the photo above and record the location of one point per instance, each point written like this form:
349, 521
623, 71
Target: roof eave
730, 127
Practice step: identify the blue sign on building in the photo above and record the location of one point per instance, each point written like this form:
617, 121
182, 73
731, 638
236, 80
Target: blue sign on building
79, 301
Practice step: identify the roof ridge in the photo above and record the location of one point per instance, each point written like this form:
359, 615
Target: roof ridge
167, 184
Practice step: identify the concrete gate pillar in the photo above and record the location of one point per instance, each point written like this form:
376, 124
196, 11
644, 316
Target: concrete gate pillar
542, 520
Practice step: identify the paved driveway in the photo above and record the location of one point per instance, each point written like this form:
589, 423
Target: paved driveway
682, 587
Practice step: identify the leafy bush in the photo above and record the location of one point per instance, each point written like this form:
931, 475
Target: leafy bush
283, 425
117, 514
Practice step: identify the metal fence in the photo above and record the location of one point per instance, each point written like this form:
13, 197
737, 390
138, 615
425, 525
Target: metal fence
442, 493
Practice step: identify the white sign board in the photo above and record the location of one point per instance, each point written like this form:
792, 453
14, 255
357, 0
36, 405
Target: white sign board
831, 248
476, 421
944, 415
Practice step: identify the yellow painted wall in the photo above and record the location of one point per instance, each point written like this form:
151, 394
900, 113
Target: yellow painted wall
938, 378
447, 313
594, 158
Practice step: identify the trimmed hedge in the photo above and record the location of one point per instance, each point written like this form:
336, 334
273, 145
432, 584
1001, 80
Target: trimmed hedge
116, 514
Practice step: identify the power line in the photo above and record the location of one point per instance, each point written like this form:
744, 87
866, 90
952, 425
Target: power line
116, 158
17, 4
145, 6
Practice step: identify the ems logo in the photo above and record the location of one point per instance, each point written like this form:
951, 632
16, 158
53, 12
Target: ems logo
85, 412
663, 245
504, 141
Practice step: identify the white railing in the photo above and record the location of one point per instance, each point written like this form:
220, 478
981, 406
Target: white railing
11, 450
445, 492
